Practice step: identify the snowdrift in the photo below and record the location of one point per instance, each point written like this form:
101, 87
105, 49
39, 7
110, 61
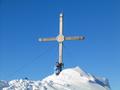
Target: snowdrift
68, 79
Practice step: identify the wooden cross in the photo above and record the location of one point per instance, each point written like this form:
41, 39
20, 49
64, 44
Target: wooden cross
60, 39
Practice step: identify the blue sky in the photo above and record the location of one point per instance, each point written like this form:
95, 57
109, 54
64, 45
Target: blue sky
22, 22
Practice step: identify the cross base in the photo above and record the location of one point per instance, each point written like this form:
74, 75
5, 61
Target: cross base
59, 67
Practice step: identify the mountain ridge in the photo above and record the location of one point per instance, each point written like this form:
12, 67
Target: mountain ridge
68, 79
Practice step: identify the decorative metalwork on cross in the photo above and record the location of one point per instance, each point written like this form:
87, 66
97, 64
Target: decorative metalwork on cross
60, 39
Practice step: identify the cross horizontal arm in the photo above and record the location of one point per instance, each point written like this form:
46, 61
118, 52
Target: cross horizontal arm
47, 39
75, 38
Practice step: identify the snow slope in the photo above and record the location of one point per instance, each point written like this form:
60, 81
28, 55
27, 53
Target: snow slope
69, 79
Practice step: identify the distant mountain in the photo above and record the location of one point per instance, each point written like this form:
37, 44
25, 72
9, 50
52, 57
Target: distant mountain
68, 79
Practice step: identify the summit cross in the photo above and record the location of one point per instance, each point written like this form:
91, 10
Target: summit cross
60, 39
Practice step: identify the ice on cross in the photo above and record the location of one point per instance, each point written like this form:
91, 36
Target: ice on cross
60, 39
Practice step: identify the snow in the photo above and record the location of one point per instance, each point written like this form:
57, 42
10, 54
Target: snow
68, 79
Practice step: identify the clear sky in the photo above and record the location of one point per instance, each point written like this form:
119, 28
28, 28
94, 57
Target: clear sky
22, 22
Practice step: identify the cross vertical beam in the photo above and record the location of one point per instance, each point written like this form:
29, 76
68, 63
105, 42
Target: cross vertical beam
61, 42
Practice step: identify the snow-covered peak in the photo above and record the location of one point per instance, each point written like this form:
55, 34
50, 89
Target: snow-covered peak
68, 79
